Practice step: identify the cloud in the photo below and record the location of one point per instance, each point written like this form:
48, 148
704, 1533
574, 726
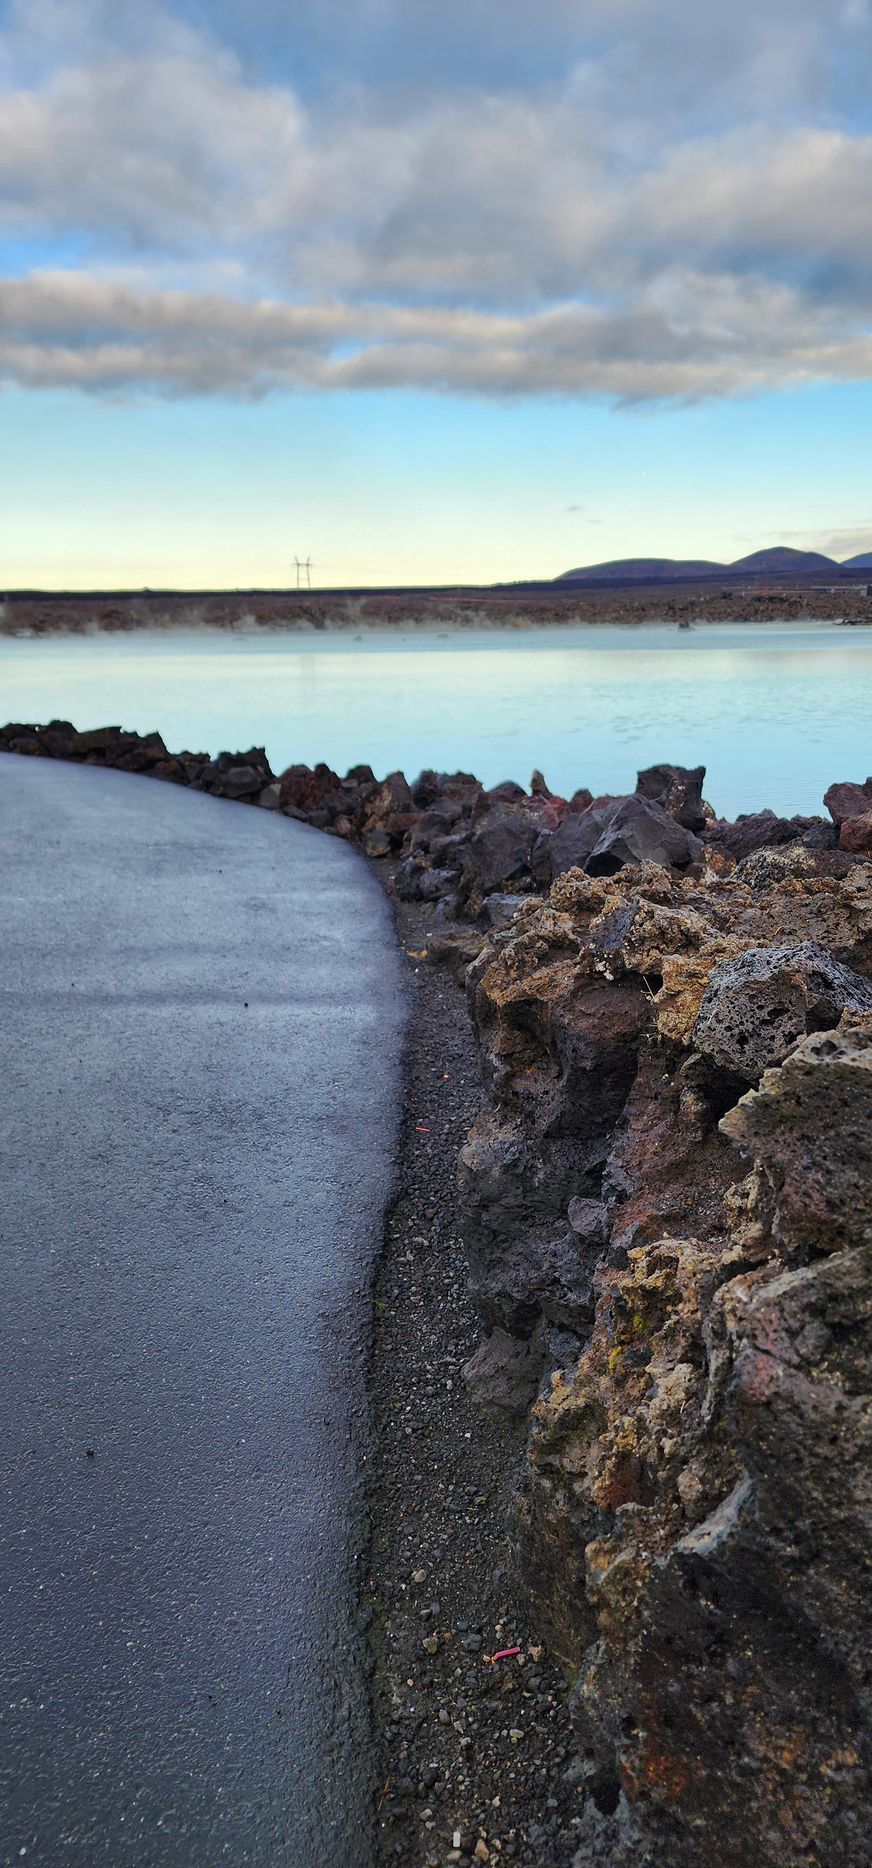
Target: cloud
678, 204
73, 331
838, 542
155, 150
845, 541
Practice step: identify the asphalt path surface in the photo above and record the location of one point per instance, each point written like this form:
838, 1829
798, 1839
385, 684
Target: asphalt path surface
200, 1030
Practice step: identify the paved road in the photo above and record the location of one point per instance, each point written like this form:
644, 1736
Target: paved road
200, 1031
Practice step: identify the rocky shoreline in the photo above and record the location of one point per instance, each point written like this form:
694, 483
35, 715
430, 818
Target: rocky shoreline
35, 614
653, 1280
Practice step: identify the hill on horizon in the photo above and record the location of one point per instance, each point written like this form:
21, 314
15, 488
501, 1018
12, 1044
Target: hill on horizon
861, 562
783, 558
646, 570
776, 560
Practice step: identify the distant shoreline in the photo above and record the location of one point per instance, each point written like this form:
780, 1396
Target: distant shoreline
32, 615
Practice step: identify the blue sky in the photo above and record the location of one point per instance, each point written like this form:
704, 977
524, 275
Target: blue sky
430, 291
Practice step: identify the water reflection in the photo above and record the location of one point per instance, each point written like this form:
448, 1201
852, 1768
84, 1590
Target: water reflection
776, 713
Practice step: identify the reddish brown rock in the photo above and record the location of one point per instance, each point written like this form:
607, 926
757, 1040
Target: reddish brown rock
846, 800
303, 789
695, 1518
390, 812
855, 834
758, 830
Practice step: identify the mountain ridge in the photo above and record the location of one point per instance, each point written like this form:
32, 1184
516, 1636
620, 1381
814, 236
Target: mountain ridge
776, 561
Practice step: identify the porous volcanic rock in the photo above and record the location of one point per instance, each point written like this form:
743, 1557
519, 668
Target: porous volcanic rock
709, 1454
760, 1003
683, 1262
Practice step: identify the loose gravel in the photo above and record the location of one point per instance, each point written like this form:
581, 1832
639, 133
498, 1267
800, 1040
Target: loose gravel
474, 1753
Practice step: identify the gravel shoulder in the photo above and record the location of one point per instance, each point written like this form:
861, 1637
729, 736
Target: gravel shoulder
474, 1755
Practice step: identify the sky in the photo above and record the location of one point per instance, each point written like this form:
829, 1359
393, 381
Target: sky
430, 290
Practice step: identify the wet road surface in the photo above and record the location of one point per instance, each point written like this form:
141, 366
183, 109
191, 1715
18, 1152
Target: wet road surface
200, 1031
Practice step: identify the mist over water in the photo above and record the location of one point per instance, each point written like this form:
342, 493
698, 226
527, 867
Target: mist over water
776, 713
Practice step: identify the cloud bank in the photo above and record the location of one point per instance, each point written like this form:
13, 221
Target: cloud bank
671, 207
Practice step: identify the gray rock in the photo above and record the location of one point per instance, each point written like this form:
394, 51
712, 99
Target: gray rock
809, 1127
499, 909
563, 1279
508, 792
821, 836
500, 846
446, 909
504, 1373
409, 877
759, 1004
572, 843
642, 832
434, 883
448, 852
767, 866
589, 1220
241, 781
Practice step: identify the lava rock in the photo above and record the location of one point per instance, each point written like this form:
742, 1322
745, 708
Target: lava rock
241, 781
641, 832
759, 1004
809, 1127
757, 830
572, 843
846, 800
504, 1373
499, 848
498, 910
678, 789
855, 834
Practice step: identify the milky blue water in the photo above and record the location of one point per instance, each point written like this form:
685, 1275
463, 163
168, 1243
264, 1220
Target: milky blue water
775, 712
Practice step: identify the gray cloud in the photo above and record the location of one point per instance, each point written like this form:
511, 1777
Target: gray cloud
69, 330
586, 234
843, 542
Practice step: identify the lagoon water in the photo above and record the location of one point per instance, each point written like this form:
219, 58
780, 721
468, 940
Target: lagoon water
776, 712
